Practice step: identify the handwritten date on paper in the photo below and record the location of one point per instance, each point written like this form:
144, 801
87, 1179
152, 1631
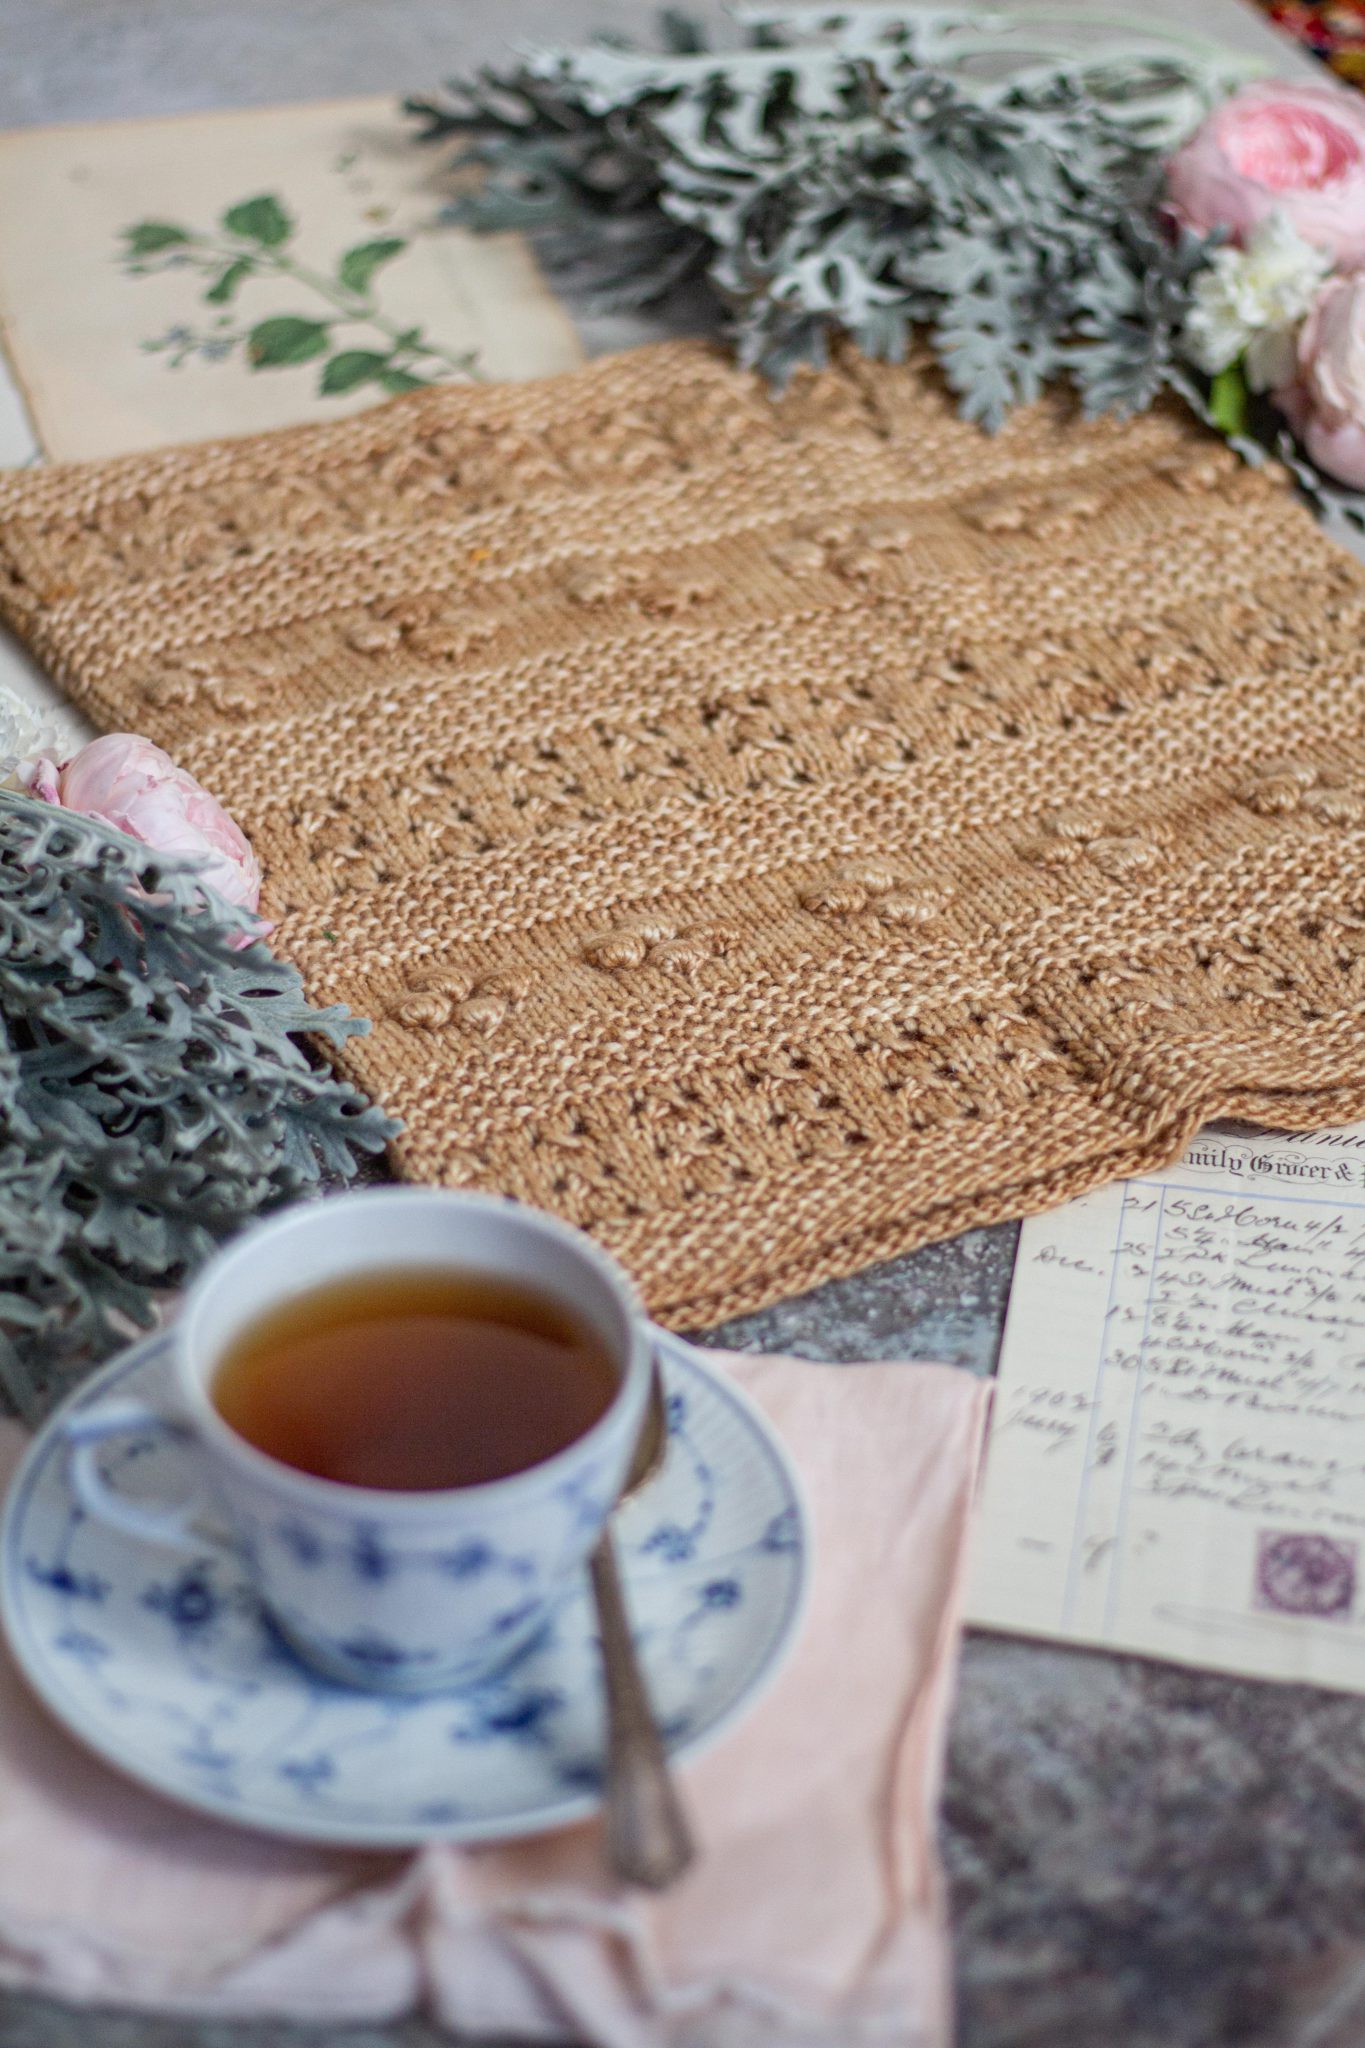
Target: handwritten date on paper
1177, 1459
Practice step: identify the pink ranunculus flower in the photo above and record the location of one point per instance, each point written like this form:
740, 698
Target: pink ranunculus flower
1295, 149
138, 789
1326, 407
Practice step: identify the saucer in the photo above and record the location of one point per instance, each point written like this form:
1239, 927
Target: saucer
161, 1661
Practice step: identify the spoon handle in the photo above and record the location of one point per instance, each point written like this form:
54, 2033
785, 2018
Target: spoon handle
648, 1840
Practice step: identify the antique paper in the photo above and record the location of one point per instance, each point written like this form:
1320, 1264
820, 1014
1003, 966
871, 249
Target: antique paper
1177, 1456
110, 361
19, 672
18, 445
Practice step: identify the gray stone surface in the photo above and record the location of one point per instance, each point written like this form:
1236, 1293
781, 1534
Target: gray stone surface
1139, 1857
945, 1302
91, 60
1143, 1857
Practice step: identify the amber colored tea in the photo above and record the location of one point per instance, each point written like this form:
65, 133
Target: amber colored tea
415, 1381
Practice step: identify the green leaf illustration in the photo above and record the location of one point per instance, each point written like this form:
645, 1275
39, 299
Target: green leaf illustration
149, 237
218, 294
357, 340
1228, 401
275, 344
352, 367
261, 220
359, 265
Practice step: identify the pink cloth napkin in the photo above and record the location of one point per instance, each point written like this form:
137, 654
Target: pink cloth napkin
814, 1915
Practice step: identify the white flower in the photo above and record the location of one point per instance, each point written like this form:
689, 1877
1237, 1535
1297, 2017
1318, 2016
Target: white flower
25, 739
1251, 300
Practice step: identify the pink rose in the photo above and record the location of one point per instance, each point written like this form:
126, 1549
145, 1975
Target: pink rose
1327, 405
138, 789
1295, 149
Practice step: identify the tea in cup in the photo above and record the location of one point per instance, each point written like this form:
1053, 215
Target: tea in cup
415, 1410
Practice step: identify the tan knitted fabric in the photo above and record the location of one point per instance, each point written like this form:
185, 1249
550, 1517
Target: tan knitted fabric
770, 834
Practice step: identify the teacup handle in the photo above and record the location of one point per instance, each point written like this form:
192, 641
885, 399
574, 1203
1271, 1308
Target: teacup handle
84, 1433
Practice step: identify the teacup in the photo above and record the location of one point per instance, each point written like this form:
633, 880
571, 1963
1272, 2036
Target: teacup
393, 1591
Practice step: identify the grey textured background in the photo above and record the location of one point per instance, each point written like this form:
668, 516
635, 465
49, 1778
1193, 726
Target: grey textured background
1140, 1857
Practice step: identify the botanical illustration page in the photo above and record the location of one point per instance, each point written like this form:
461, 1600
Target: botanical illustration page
173, 280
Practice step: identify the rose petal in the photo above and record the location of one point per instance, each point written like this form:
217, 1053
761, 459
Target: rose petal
1298, 149
137, 788
1340, 450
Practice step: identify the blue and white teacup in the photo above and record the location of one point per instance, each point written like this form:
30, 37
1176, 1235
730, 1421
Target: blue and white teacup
397, 1592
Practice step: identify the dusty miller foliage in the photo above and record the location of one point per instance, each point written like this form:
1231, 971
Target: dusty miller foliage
855, 174
152, 1095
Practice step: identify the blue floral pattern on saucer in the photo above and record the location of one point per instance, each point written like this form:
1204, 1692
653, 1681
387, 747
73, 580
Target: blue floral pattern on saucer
162, 1662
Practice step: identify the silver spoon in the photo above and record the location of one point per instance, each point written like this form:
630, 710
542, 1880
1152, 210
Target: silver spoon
649, 1842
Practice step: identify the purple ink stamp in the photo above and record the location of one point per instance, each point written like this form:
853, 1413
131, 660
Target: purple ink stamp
1301, 1574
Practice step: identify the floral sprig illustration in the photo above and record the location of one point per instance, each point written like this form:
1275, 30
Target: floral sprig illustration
255, 239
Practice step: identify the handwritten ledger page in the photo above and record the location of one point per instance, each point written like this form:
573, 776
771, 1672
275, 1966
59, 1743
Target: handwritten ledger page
1177, 1456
